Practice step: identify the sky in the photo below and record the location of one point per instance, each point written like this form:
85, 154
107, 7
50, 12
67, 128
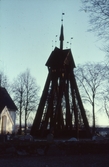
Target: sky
30, 29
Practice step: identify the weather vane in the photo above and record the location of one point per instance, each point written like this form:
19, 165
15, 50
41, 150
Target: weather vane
71, 41
56, 39
62, 17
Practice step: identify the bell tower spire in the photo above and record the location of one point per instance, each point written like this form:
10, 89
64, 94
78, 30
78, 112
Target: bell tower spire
61, 38
61, 34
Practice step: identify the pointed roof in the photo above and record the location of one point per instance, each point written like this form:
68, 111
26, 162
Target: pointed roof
59, 57
6, 100
61, 37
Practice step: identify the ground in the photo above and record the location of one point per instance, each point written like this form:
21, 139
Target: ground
24, 153
89, 160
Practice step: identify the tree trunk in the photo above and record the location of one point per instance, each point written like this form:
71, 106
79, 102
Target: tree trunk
93, 111
25, 121
20, 123
20, 120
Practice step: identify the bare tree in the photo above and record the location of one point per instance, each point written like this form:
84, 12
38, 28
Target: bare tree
31, 95
99, 18
90, 78
4, 81
105, 93
25, 92
18, 90
106, 106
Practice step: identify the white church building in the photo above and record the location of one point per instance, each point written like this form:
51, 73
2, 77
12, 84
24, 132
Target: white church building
7, 112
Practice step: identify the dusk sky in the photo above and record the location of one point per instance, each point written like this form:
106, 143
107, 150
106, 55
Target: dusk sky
28, 27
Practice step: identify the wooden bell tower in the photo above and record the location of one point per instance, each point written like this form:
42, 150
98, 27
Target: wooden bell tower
60, 106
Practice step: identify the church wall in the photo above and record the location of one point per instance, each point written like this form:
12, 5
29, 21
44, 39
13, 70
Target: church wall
7, 121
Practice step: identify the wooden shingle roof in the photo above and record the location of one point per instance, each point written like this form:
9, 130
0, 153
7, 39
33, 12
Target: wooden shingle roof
6, 100
60, 57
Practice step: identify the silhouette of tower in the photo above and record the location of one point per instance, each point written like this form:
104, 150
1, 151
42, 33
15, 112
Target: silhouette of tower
60, 105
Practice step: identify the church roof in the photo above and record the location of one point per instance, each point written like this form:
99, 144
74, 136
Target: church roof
60, 57
5, 100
